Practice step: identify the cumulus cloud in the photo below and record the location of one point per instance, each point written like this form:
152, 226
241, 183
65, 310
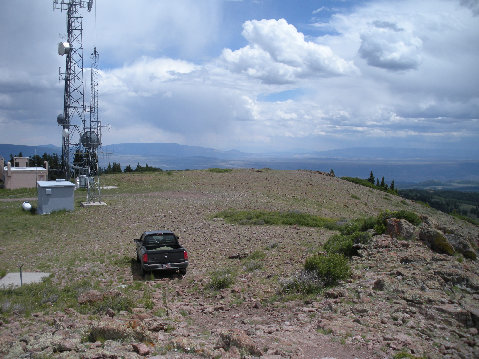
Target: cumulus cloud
278, 53
144, 76
381, 71
386, 45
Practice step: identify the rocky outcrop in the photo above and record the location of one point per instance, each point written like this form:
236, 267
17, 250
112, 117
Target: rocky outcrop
440, 239
436, 240
400, 228
239, 339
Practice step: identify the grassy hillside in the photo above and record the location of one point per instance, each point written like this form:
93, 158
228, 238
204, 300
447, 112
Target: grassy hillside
92, 249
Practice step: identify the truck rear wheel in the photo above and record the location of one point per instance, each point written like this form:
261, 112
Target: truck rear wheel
144, 272
182, 271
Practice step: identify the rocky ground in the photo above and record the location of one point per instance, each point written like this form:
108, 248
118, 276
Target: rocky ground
403, 296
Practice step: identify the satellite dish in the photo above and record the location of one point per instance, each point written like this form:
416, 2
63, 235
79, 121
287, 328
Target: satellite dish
90, 139
61, 119
63, 48
65, 133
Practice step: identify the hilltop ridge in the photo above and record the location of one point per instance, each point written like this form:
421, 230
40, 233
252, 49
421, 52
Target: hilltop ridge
402, 296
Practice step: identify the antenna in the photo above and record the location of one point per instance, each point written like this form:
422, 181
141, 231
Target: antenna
81, 137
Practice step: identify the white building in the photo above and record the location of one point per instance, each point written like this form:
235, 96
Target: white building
20, 175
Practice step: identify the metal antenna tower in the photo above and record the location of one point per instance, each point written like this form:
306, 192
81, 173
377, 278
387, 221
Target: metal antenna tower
73, 115
91, 137
81, 137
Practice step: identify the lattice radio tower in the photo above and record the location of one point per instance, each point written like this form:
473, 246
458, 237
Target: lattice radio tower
80, 138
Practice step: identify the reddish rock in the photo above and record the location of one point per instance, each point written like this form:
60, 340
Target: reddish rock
458, 313
239, 339
90, 296
141, 349
400, 228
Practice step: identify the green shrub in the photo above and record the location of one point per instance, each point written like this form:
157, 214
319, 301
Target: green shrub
345, 244
440, 244
359, 225
411, 217
470, 255
276, 218
220, 170
403, 354
330, 268
254, 261
221, 279
251, 266
117, 303
340, 244
256, 255
304, 283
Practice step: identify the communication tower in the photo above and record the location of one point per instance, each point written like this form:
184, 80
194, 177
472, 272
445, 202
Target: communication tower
81, 136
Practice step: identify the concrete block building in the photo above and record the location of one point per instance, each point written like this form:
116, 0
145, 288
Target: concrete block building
19, 175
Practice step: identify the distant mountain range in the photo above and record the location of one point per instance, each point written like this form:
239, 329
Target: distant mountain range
406, 166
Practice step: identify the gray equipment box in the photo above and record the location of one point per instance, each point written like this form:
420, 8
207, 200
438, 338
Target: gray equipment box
55, 196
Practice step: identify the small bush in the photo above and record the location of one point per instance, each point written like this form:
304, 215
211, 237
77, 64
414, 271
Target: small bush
220, 170
405, 355
221, 279
440, 244
329, 268
276, 218
254, 261
257, 255
359, 225
251, 266
470, 255
378, 223
116, 303
340, 244
305, 283
345, 244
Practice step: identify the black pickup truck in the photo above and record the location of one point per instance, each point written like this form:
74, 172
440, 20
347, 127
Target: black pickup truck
160, 250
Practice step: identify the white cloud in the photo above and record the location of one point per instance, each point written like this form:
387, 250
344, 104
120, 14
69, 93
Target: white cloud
385, 72
125, 30
144, 76
278, 53
388, 46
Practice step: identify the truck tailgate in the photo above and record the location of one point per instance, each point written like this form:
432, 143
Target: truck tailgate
168, 256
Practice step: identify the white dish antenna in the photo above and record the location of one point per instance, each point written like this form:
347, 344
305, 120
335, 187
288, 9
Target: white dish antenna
63, 48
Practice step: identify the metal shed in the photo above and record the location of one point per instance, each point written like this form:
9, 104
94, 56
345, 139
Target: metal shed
55, 196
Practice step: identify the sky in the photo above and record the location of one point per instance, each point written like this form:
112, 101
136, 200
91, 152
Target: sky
252, 75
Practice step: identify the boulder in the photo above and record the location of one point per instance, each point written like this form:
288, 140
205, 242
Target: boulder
436, 240
379, 284
400, 228
474, 313
90, 296
239, 339
460, 314
461, 245
141, 349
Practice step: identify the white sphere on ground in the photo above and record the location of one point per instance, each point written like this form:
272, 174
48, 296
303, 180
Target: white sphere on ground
26, 206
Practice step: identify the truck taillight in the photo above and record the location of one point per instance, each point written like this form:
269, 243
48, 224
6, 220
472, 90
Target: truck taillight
145, 258
185, 254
